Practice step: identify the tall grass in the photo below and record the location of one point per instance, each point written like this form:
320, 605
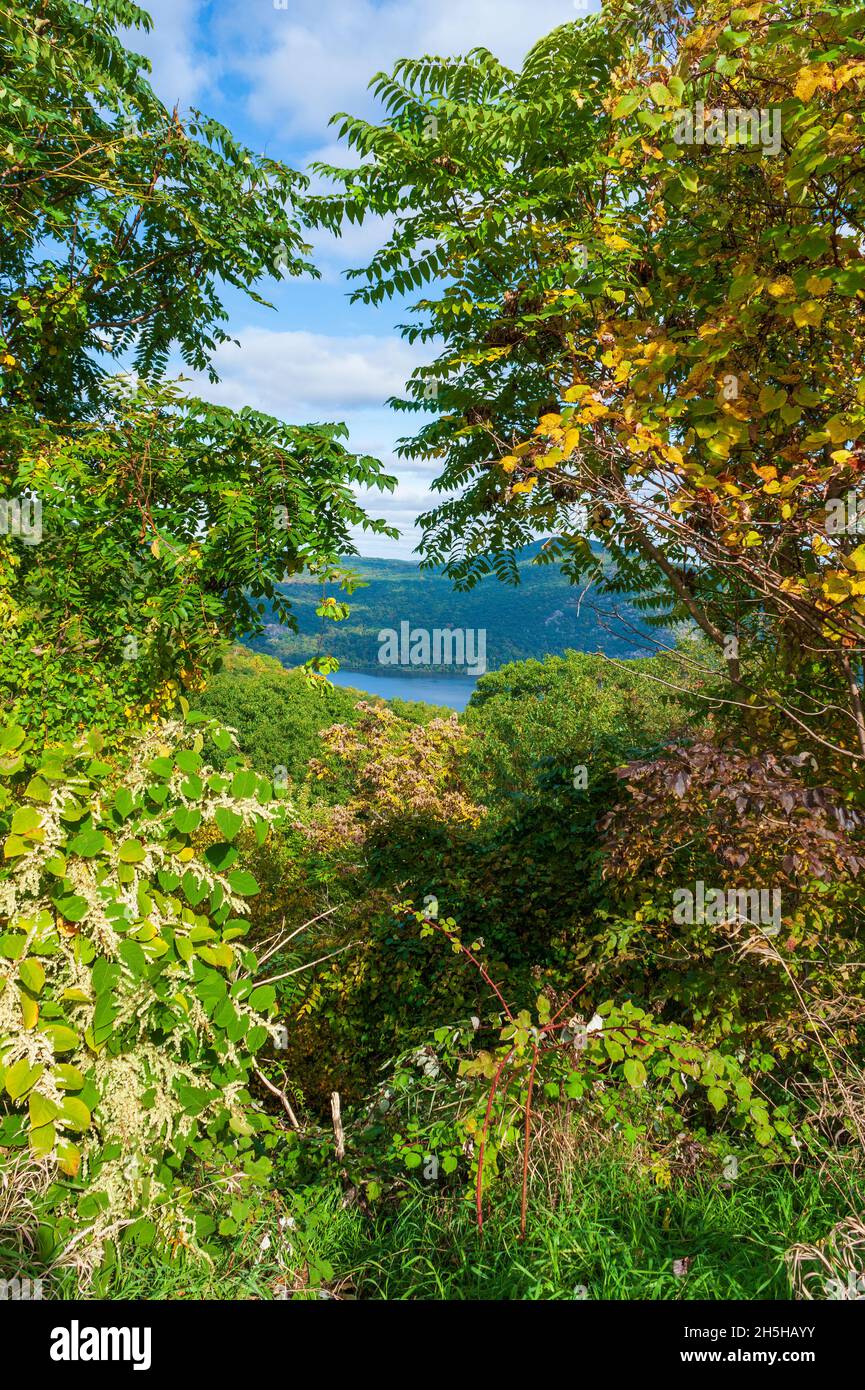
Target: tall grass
617, 1236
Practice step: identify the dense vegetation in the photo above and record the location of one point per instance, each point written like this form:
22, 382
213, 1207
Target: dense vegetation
560, 998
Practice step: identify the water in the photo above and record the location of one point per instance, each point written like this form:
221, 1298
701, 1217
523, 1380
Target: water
453, 691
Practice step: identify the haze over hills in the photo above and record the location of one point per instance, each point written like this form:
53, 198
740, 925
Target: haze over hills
544, 615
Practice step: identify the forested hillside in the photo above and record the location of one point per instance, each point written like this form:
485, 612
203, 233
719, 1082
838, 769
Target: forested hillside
542, 614
310, 995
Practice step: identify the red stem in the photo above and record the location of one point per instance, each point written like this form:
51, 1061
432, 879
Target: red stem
479, 1206
526, 1145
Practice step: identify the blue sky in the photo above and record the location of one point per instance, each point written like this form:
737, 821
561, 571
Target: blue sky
274, 76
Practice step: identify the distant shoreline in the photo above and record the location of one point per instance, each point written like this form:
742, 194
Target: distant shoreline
428, 673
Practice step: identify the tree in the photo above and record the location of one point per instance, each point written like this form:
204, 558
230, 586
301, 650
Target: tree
118, 220
156, 525
644, 260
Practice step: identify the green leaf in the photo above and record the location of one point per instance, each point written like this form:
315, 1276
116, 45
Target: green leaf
229, 822
132, 954
61, 1037
42, 1110
628, 103
88, 844
187, 819
243, 784
69, 1078
20, 1077
131, 852
32, 975
73, 907
75, 1114
195, 889
242, 882
26, 821
717, 1097
635, 1072
42, 1140
221, 856
262, 998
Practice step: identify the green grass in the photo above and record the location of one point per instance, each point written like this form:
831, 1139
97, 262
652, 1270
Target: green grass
617, 1236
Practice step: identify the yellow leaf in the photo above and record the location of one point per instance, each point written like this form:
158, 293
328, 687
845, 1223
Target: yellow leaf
836, 586
570, 441
818, 285
29, 1010
838, 429
809, 315
618, 243
549, 460
783, 288
807, 82
69, 1159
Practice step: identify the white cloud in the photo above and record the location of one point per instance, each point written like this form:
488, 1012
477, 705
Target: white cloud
182, 73
299, 375
400, 508
316, 57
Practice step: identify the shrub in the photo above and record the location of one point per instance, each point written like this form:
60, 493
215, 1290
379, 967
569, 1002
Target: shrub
129, 1013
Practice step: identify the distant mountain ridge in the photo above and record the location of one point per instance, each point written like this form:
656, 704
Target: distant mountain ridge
544, 615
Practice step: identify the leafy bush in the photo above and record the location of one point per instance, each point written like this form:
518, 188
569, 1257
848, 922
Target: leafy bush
129, 1014
712, 814
563, 712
